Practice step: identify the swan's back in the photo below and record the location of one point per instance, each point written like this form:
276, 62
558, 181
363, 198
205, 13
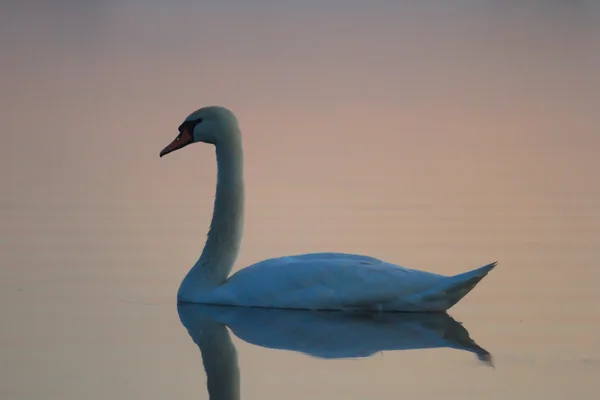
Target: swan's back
325, 281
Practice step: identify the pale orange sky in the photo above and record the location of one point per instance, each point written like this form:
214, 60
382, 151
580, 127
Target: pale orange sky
448, 106
498, 103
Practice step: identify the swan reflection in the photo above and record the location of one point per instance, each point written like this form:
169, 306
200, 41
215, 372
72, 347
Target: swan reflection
320, 334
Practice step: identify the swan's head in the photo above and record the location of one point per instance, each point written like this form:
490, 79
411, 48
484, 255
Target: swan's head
212, 125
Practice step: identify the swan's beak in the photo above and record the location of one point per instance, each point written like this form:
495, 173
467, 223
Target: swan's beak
182, 140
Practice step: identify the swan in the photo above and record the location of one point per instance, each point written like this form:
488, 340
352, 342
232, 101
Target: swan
315, 281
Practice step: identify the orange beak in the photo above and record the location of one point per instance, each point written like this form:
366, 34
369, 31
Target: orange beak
182, 140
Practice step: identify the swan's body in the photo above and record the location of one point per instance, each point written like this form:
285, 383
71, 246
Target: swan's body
335, 281
325, 281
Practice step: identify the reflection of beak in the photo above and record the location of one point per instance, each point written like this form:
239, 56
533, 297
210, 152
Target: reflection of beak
182, 140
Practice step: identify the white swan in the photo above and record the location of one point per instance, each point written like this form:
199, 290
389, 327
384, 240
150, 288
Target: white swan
319, 281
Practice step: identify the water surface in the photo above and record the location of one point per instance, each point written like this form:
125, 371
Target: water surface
441, 136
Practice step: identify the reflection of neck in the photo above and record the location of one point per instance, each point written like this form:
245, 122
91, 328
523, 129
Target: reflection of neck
219, 355
220, 363
225, 233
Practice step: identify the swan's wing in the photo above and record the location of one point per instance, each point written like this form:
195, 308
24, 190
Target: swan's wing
325, 280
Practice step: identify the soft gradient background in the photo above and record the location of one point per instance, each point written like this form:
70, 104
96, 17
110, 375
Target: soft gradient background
441, 135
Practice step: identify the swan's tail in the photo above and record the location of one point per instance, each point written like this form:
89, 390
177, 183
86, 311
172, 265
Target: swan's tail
462, 284
451, 290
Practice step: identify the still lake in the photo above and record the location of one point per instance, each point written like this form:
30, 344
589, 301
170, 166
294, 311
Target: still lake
439, 136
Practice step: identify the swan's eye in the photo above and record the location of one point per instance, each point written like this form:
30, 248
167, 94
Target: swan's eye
190, 125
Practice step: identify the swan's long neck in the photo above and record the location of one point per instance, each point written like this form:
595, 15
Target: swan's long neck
225, 233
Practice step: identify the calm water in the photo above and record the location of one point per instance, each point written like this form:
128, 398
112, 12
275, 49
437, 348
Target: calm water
440, 136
